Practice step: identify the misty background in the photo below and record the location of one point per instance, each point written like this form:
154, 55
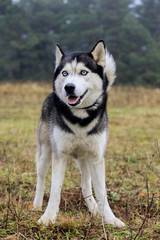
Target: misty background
29, 30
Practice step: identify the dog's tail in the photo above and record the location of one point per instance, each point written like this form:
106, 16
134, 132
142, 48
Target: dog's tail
110, 69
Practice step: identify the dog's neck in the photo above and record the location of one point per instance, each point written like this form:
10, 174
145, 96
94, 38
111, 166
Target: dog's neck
82, 117
94, 105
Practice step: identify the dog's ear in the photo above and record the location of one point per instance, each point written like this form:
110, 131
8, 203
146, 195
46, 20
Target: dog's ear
99, 53
59, 54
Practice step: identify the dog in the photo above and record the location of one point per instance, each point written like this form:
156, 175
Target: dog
74, 124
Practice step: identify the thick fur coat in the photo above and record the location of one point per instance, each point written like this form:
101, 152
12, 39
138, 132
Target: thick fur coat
74, 124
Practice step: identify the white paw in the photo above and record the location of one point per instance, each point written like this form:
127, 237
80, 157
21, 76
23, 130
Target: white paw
37, 208
37, 205
46, 219
94, 210
114, 221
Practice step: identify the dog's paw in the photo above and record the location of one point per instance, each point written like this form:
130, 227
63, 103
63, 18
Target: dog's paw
37, 208
37, 204
46, 219
94, 210
114, 221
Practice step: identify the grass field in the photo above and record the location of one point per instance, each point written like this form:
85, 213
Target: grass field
132, 168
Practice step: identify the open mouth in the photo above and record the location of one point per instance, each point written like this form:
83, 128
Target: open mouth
74, 100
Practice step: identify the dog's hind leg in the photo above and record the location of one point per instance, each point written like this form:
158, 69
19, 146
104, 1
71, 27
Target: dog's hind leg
87, 187
43, 160
98, 177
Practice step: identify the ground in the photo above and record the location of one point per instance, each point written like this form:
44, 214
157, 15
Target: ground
132, 168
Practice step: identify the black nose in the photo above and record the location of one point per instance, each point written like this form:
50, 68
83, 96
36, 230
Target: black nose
70, 87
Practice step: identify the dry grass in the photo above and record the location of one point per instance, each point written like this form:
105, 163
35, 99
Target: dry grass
132, 168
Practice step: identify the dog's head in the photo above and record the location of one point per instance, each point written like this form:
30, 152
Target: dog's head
81, 77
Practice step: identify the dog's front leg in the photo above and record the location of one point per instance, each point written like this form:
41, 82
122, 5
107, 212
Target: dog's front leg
58, 171
98, 178
43, 160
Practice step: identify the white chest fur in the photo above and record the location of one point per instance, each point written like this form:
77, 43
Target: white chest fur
79, 145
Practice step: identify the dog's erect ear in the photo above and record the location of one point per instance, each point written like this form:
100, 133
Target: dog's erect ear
99, 53
59, 55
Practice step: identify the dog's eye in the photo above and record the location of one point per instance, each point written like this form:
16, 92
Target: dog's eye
64, 73
83, 72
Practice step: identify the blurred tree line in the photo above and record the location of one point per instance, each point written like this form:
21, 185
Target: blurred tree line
29, 30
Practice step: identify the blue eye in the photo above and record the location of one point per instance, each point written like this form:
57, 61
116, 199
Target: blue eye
83, 72
64, 73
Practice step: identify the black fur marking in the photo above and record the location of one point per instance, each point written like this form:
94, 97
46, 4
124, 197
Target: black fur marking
63, 111
67, 113
47, 108
102, 114
88, 61
51, 113
54, 110
99, 112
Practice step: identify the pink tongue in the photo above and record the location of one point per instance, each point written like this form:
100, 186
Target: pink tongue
73, 100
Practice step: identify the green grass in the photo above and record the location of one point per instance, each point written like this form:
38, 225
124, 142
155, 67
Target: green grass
132, 168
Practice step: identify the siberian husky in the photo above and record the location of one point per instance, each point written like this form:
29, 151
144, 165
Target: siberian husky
73, 124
